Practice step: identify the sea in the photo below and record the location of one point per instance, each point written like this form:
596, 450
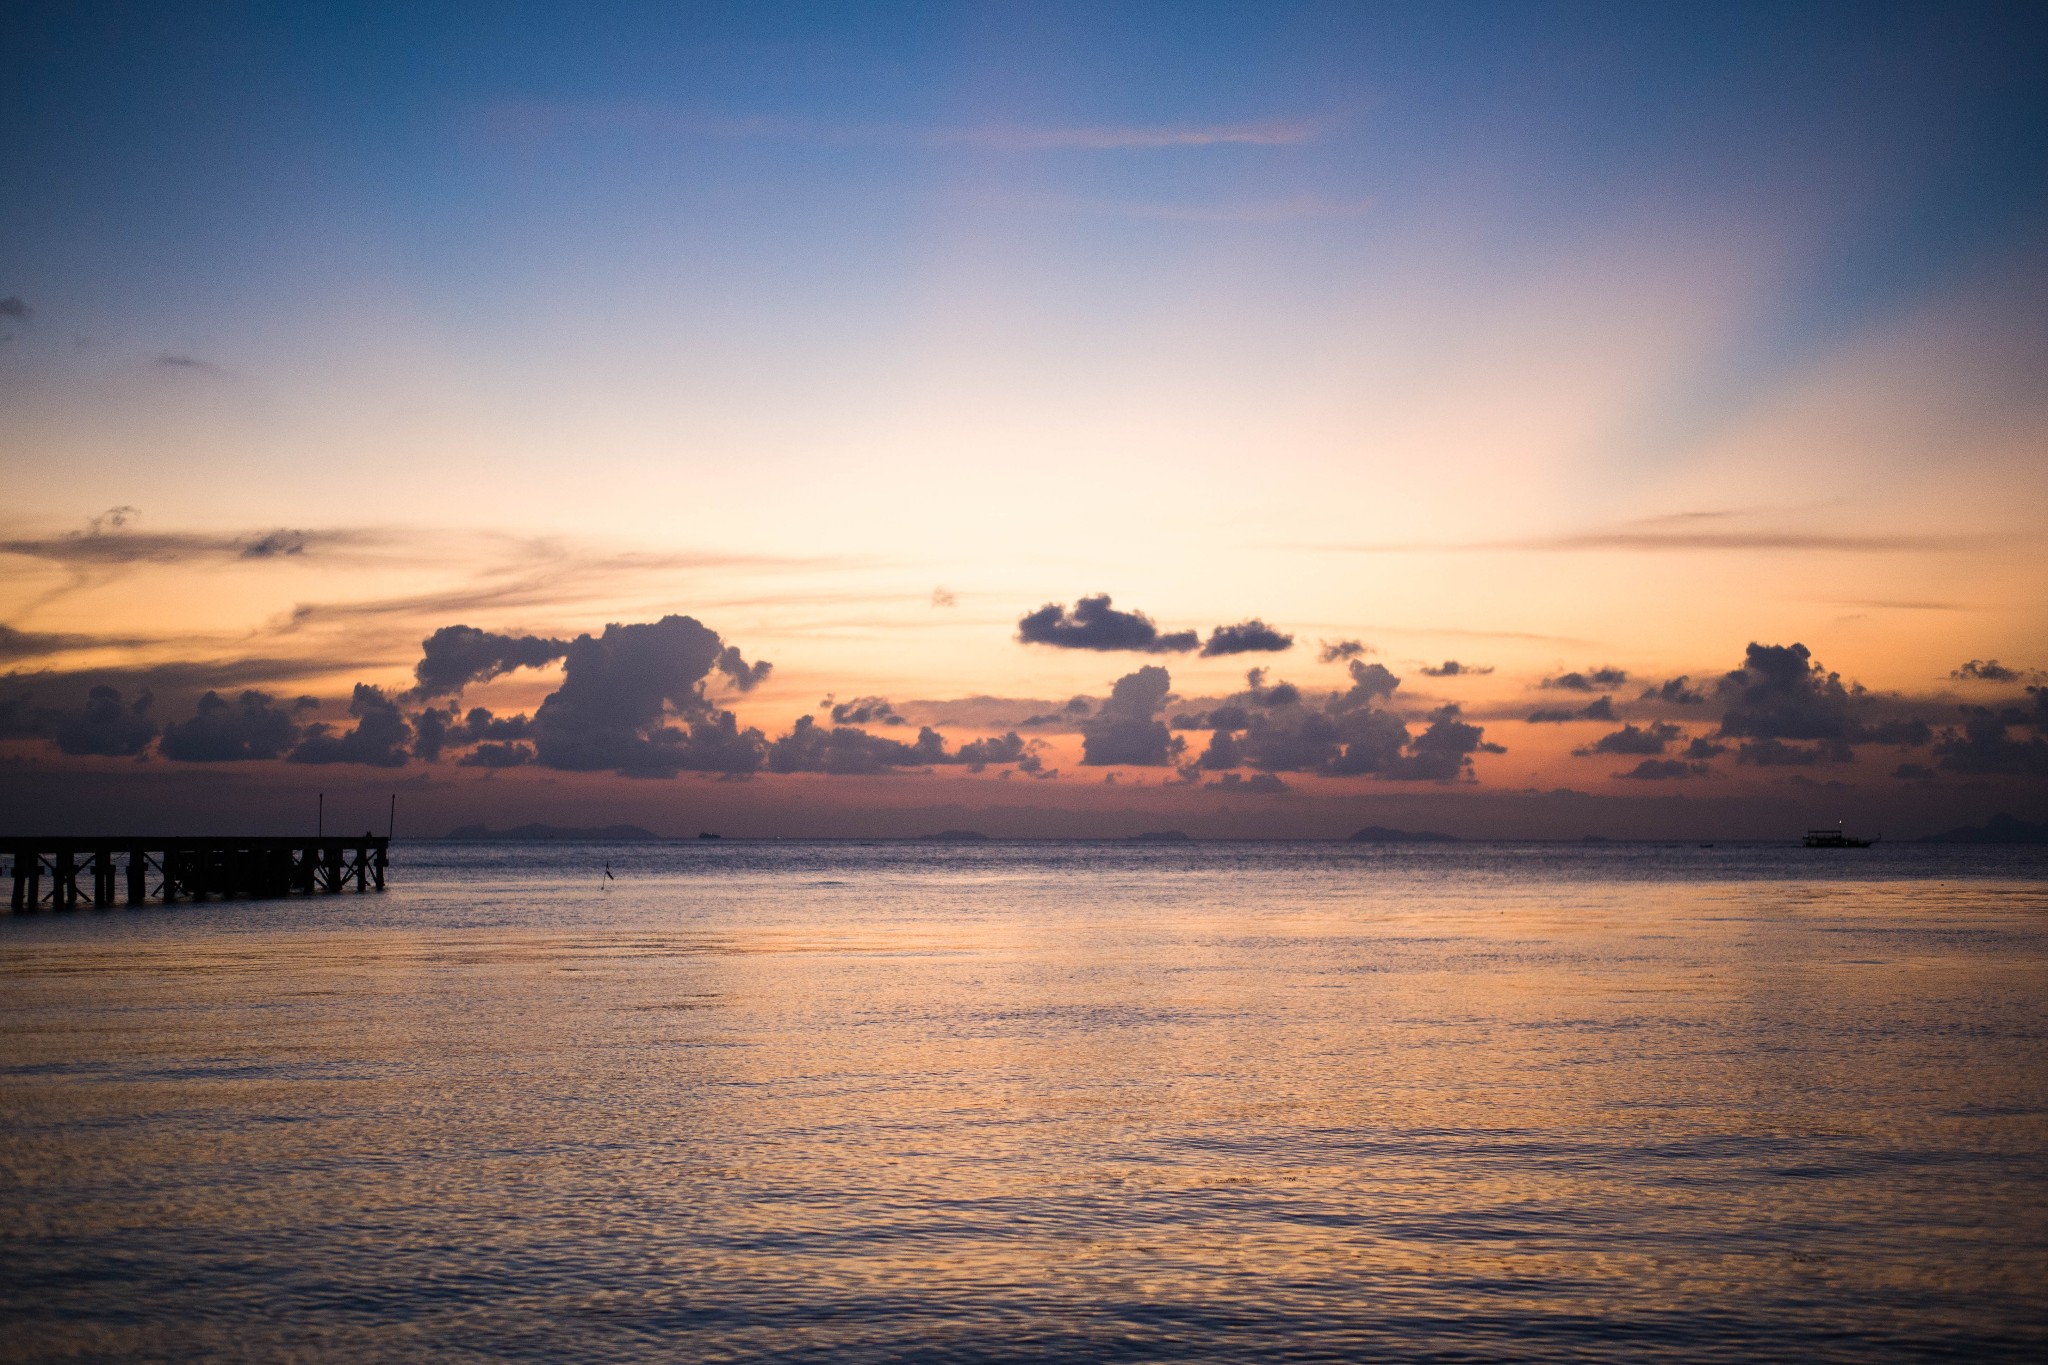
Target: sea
788, 1101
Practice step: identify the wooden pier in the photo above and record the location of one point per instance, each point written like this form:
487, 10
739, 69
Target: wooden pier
67, 873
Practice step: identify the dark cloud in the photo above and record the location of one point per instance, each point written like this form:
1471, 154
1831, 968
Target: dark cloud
1127, 730
380, 738
743, 676
29, 644
275, 543
105, 543
173, 360
221, 731
13, 307
980, 753
1593, 680
1992, 671
618, 690
1258, 784
1246, 637
1093, 623
1600, 708
1677, 692
866, 711
1279, 729
1665, 770
1443, 752
435, 729
107, 726
1451, 668
497, 756
1654, 738
1773, 753
1780, 693
1701, 749
1333, 650
1076, 710
847, 749
1985, 745
453, 657
1369, 683
844, 749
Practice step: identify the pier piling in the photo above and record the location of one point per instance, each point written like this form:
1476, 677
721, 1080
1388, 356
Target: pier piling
46, 870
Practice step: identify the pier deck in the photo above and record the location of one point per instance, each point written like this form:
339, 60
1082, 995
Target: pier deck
49, 870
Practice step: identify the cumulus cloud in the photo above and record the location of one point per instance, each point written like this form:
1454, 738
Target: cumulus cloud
14, 307
1451, 668
1600, 708
1991, 671
1280, 729
223, 731
1654, 738
1092, 623
1665, 770
865, 711
980, 753
618, 691
1246, 637
1775, 753
1592, 680
1127, 730
744, 676
453, 657
107, 726
1780, 693
435, 729
1334, 650
1257, 784
379, 738
1985, 746
497, 756
845, 749
1677, 692
1075, 711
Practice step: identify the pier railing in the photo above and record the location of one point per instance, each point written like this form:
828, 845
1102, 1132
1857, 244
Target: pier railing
63, 873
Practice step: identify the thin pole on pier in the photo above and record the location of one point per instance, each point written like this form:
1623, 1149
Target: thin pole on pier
391, 828
320, 816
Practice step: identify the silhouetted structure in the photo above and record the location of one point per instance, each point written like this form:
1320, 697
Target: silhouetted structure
48, 871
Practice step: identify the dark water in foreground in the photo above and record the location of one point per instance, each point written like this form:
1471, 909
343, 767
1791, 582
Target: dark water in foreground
1001, 1102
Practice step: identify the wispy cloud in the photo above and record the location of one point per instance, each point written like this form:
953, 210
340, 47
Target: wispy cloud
173, 360
542, 118
1243, 211
1683, 531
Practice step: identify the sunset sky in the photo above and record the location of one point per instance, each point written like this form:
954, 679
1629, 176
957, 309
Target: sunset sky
1689, 358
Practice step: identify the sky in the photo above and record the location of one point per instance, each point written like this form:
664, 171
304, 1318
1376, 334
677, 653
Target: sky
1523, 420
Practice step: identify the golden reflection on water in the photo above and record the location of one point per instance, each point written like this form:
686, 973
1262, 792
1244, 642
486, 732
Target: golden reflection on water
985, 1116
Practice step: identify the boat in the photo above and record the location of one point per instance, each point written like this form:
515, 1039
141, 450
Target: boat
1833, 838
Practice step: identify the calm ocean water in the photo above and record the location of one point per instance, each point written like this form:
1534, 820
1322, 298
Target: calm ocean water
1022, 1101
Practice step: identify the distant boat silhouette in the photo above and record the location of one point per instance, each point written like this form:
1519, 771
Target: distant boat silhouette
1833, 838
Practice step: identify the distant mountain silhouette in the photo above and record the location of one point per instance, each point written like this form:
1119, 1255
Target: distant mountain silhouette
613, 834
1161, 836
2002, 828
956, 836
1380, 834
